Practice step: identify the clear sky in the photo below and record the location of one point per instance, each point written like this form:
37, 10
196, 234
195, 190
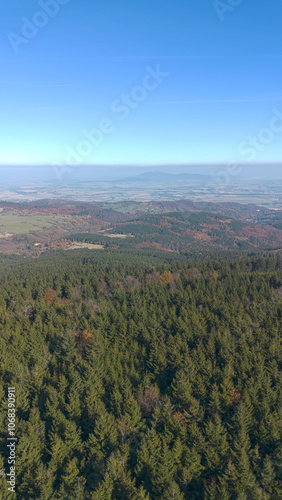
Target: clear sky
140, 82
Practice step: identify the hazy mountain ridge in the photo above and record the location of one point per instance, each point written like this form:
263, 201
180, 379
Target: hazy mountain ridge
165, 177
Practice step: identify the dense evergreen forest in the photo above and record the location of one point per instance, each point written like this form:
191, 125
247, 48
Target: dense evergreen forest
142, 376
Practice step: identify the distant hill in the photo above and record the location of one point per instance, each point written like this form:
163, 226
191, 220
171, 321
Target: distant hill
159, 176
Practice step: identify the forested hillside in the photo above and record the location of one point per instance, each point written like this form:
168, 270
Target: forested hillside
142, 378
33, 228
181, 232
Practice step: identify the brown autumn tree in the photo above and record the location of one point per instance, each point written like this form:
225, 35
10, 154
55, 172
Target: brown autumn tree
49, 295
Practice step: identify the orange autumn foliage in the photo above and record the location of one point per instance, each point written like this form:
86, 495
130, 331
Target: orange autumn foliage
83, 337
179, 416
235, 396
49, 295
167, 278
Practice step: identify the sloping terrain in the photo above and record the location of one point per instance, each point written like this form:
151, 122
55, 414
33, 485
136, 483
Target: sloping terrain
170, 226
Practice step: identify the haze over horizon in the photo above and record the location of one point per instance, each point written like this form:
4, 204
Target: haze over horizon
116, 172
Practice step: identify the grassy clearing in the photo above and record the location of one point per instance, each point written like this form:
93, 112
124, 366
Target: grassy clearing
21, 224
90, 246
116, 235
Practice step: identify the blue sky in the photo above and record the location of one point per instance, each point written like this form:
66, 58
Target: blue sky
151, 82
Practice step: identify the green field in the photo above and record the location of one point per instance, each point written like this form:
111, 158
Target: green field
21, 224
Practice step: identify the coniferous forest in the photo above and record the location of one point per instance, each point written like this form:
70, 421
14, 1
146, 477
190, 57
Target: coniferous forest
142, 376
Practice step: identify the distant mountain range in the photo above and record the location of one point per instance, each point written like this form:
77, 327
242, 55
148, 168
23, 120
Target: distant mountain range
159, 176
117, 173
